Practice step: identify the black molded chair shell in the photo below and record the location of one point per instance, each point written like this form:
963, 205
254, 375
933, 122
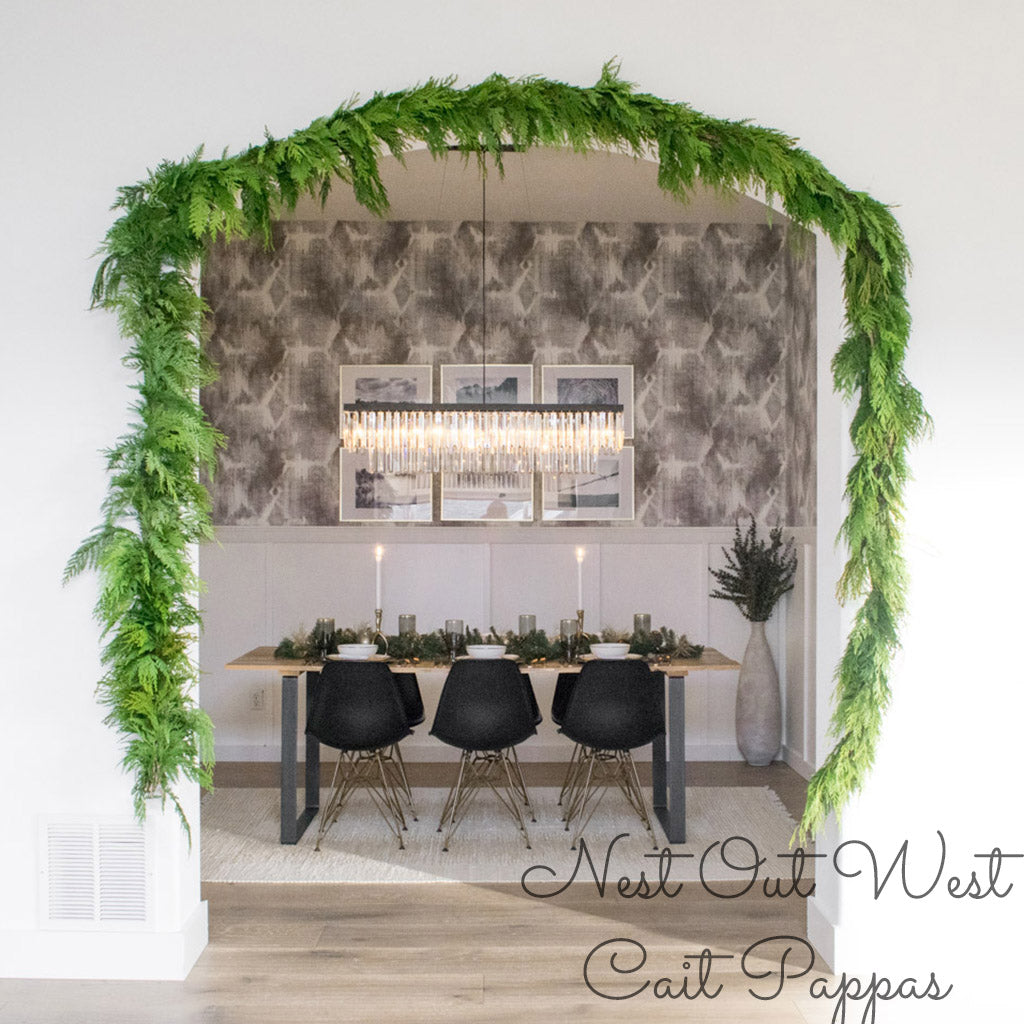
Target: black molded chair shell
484, 706
616, 705
564, 686
410, 696
357, 707
531, 698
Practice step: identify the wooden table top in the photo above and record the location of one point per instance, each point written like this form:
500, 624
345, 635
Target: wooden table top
262, 659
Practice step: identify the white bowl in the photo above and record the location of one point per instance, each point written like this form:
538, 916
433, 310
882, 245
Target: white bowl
609, 652
356, 652
485, 651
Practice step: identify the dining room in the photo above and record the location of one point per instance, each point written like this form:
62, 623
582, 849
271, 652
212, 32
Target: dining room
699, 316
911, 109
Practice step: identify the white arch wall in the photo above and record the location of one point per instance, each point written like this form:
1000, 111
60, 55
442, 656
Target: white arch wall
910, 102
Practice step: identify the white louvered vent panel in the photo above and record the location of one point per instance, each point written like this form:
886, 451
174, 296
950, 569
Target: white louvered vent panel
122, 873
96, 874
72, 873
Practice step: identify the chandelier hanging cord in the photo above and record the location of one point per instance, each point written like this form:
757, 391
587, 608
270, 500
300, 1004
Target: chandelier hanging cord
410, 437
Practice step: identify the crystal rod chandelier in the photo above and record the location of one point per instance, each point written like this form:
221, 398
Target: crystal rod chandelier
406, 437
403, 437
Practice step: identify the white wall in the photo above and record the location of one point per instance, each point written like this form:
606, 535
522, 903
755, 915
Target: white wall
917, 102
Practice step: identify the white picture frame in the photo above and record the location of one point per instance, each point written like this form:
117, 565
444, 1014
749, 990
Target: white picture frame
383, 497
507, 383
590, 385
487, 497
602, 496
384, 382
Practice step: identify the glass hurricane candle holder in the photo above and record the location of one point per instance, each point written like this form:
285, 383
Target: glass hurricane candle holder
323, 636
569, 632
454, 631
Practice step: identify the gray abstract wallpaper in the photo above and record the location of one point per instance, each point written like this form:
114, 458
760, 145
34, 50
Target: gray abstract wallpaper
717, 321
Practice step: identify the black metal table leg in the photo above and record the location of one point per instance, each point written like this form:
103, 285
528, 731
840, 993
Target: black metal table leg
292, 825
672, 812
312, 757
659, 780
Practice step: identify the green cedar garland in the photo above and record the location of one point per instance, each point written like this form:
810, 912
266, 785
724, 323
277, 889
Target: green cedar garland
533, 647
156, 508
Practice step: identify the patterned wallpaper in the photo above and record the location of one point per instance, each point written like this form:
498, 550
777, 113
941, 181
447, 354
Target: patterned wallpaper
718, 321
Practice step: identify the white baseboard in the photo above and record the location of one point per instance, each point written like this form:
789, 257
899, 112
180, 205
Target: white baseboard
796, 761
821, 933
106, 955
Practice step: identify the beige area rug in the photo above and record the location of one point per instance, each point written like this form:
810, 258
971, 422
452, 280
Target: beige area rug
240, 830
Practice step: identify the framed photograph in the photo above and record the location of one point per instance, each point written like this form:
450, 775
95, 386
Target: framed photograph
606, 494
491, 497
590, 385
385, 383
383, 497
507, 384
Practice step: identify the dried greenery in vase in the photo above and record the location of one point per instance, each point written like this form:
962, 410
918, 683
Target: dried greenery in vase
758, 573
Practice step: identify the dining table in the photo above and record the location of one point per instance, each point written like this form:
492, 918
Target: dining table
668, 755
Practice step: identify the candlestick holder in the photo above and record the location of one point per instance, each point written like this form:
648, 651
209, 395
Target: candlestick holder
378, 615
581, 632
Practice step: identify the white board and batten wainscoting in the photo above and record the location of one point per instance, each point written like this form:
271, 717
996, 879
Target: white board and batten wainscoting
264, 583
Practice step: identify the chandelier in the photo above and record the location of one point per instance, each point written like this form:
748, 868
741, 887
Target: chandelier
403, 437
483, 437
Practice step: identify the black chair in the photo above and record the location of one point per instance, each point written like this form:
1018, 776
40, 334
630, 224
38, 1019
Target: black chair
484, 711
412, 704
564, 686
518, 781
615, 707
410, 696
357, 708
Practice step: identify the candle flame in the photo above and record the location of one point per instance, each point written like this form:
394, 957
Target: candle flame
580, 552
378, 552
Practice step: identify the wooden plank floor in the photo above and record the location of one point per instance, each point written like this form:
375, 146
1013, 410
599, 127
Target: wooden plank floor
454, 952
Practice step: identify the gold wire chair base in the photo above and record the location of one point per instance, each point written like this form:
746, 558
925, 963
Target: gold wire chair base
590, 776
565, 794
382, 774
496, 770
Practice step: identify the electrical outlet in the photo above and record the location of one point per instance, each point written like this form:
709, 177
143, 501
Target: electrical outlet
257, 700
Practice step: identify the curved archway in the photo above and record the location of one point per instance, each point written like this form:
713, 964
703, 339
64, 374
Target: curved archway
156, 508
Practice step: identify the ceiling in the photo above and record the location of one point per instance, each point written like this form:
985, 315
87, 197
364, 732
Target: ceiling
539, 185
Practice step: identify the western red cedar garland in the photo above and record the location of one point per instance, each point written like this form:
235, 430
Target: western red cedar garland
156, 508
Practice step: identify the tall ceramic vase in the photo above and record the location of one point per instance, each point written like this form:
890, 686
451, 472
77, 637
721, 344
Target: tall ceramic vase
758, 701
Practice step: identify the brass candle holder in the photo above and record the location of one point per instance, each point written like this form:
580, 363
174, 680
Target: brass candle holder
378, 616
572, 633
